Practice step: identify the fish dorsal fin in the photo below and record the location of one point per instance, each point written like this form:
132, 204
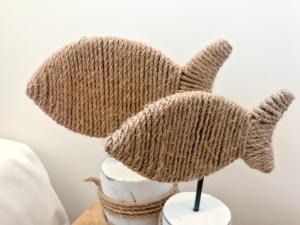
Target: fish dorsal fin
200, 72
259, 151
93, 85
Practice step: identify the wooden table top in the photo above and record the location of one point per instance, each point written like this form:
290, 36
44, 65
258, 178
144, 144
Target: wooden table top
91, 216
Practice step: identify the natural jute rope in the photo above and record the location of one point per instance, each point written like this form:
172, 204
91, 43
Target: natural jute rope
132, 210
190, 135
160, 218
93, 85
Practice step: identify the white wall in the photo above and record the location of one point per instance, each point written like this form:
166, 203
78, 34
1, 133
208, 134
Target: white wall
266, 40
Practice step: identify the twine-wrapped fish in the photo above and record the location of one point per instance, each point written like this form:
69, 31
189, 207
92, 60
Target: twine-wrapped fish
93, 85
190, 135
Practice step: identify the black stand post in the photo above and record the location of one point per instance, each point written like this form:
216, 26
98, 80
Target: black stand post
198, 195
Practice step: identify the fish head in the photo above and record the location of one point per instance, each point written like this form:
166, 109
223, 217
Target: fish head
64, 88
43, 88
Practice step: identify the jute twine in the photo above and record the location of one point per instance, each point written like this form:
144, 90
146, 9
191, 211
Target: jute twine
160, 218
93, 85
189, 135
132, 210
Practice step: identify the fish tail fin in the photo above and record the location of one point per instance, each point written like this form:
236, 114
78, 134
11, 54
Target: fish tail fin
200, 71
259, 151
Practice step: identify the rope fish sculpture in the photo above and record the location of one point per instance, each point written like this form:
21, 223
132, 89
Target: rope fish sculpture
189, 135
93, 85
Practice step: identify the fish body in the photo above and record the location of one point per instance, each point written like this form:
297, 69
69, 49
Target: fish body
190, 135
93, 85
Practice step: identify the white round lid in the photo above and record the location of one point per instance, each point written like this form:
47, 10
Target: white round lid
115, 170
178, 210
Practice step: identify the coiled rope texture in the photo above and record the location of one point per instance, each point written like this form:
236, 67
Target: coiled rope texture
132, 210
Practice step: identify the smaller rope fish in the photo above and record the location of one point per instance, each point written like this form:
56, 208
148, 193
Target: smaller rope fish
93, 85
190, 135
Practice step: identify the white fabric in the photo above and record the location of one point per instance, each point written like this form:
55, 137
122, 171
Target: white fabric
26, 194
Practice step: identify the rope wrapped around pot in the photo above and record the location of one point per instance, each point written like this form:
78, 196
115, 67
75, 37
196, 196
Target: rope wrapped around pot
132, 210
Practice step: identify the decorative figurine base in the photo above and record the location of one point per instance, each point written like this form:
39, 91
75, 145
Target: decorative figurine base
178, 210
120, 183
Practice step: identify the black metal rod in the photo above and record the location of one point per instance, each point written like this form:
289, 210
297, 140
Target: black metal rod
198, 195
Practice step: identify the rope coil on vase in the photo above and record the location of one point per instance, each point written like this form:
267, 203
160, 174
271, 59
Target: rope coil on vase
160, 218
139, 209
